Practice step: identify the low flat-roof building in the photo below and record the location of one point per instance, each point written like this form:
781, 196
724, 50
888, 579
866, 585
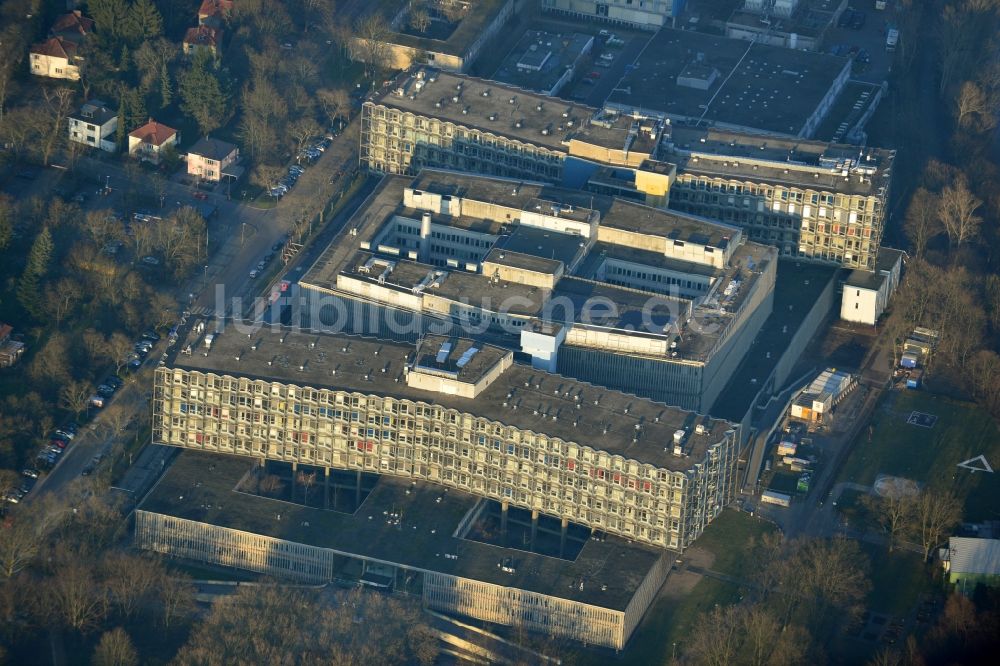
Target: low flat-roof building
867, 293
693, 77
811, 199
451, 39
971, 561
544, 61
429, 118
786, 23
646, 15
814, 403
640, 299
407, 535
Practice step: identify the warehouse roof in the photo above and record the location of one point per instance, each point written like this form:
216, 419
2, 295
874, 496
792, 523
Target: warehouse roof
974, 556
687, 74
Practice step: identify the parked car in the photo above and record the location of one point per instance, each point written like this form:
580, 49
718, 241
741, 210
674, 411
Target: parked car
30, 472
261, 265
114, 381
253, 274
97, 401
105, 391
63, 433
295, 168
845, 18
151, 335
276, 247
150, 260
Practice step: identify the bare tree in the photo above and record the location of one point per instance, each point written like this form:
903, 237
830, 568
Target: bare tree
121, 349
975, 108
935, 512
271, 483
957, 211
893, 509
922, 222
177, 598
372, 48
334, 102
132, 579
420, 19
301, 131
307, 481
58, 103
115, 649
74, 397
74, 598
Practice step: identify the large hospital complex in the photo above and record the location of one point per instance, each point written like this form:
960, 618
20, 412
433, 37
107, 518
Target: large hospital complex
494, 388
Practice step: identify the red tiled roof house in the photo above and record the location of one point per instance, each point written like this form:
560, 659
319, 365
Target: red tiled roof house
149, 141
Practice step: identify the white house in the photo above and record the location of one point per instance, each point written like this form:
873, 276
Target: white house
866, 294
55, 58
94, 125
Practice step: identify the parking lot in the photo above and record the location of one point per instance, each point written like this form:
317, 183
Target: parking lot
868, 41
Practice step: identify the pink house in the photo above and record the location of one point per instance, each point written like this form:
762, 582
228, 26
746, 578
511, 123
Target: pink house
209, 158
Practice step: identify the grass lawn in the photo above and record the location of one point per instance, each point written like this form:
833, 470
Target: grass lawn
665, 622
898, 579
930, 455
728, 538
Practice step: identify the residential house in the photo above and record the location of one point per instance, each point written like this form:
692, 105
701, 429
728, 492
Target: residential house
214, 12
73, 26
209, 158
149, 141
970, 561
55, 58
10, 350
203, 38
94, 125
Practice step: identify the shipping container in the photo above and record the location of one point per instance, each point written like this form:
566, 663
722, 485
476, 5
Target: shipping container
772, 497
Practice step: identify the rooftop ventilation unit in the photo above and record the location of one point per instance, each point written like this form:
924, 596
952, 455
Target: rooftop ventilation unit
442, 354
467, 356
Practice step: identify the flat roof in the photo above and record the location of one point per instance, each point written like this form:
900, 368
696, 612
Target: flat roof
201, 487
537, 401
480, 14
547, 54
754, 85
523, 261
811, 18
430, 93
886, 261
780, 161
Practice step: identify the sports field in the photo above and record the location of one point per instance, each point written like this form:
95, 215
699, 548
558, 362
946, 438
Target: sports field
924, 437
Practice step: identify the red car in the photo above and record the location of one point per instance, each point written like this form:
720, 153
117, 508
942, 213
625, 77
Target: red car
594, 75
201, 196
61, 443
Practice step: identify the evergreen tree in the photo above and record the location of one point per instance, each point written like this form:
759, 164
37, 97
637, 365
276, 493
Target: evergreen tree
124, 59
28, 289
166, 89
109, 15
143, 22
122, 128
203, 95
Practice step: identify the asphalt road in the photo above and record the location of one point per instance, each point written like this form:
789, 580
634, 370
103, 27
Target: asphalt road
228, 271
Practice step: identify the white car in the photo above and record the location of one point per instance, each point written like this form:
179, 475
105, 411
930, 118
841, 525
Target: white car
254, 273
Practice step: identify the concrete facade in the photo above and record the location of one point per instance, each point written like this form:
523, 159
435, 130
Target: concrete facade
674, 479
812, 200
646, 15
866, 294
